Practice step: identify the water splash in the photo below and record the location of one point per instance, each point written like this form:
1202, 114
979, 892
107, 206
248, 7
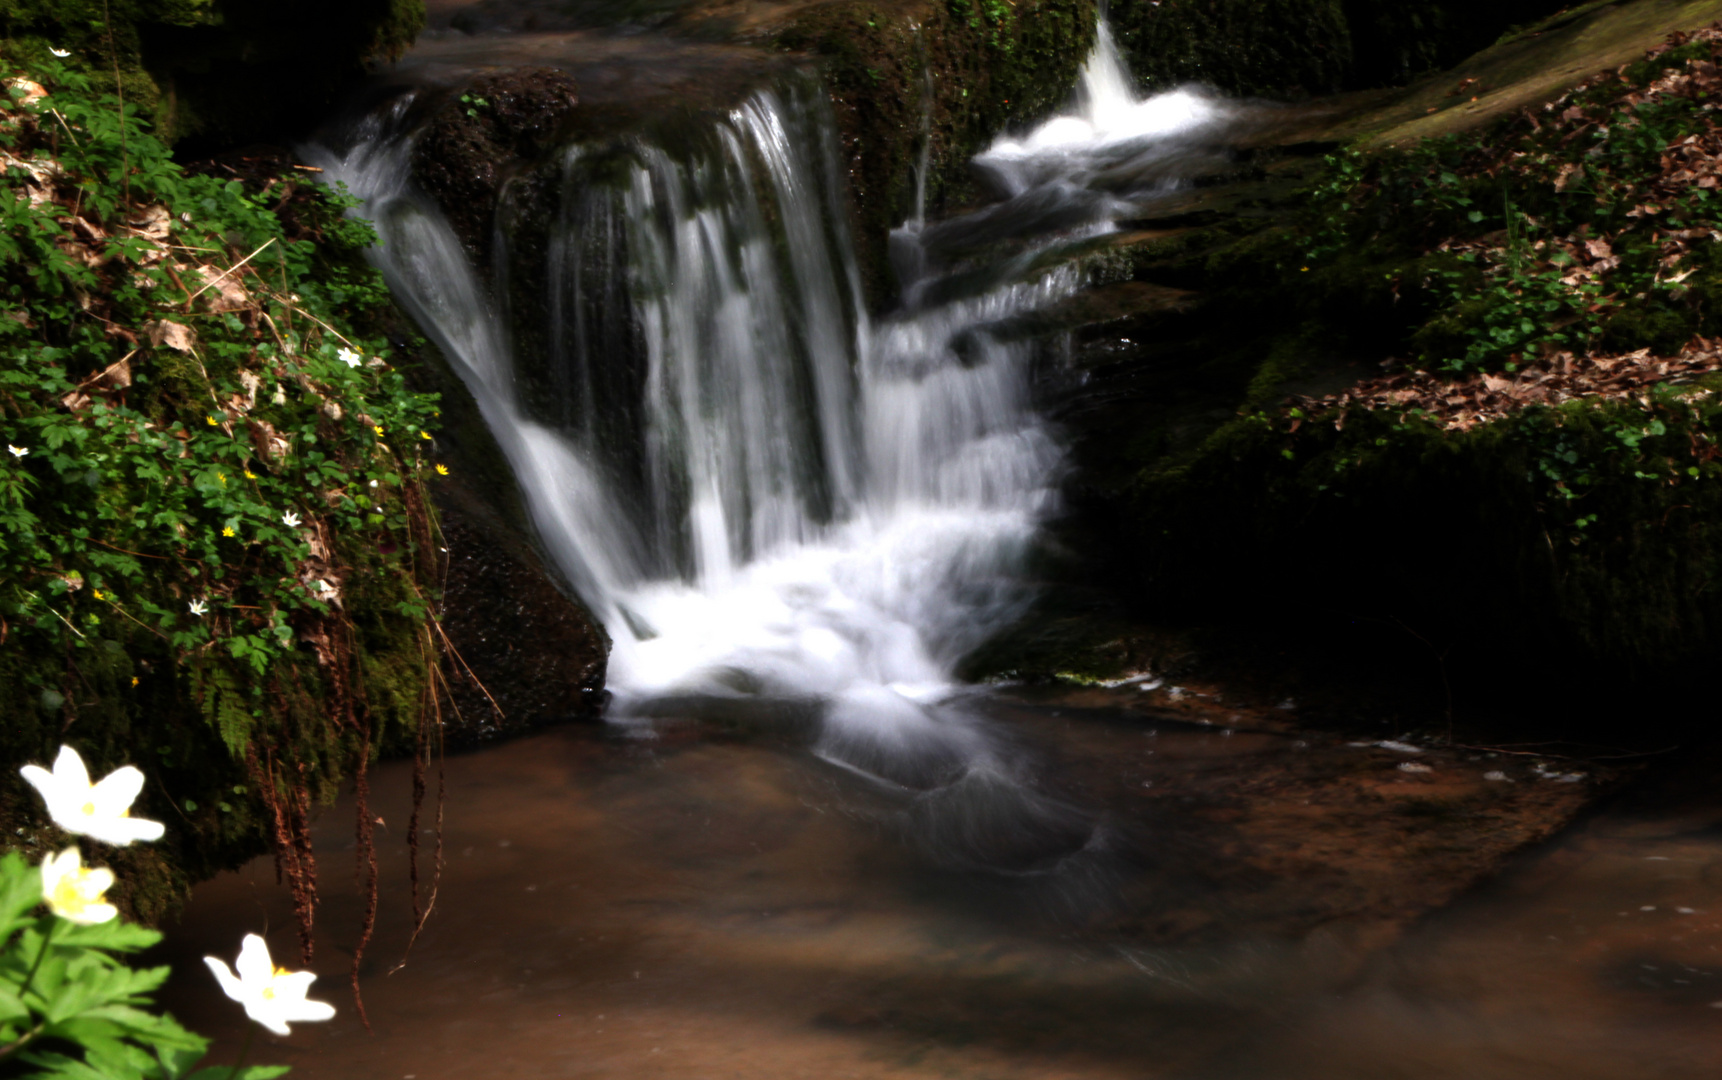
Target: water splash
764, 493
1111, 125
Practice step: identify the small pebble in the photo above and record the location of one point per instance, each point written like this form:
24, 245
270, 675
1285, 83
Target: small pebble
1497, 775
1648, 907
1412, 766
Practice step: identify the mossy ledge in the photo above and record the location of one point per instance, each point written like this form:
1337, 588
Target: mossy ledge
941, 77
1559, 552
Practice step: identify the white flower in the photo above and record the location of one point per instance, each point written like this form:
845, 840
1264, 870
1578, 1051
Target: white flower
18, 451
98, 810
290, 519
199, 607
348, 357
73, 892
61, 53
271, 995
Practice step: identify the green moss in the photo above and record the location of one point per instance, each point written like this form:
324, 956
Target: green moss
1565, 535
948, 75
120, 507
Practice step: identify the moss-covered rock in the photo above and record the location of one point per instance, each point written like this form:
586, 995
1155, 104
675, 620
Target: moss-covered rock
941, 77
212, 565
1581, 537
1296, 48
1554, 547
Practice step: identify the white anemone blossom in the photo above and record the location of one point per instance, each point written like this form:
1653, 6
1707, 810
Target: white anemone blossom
200, 608
290, 519
271, 995
61, 53
17, 451
98, 810
73, 891
348, 357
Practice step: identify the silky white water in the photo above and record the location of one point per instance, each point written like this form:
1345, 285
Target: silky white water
785, 498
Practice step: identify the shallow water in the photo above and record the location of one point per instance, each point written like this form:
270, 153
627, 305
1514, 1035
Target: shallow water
718, 900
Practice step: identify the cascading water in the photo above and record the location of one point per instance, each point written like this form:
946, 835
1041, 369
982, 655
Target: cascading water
791, 501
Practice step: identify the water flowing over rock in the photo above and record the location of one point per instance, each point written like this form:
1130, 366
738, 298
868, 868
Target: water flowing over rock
769, 497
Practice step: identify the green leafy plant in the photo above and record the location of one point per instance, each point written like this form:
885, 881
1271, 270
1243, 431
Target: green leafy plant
71, 1007
212, 499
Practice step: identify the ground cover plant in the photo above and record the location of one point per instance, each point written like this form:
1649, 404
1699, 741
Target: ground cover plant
216, 546
1535, 473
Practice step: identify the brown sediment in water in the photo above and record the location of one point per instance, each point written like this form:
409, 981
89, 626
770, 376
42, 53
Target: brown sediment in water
701, 904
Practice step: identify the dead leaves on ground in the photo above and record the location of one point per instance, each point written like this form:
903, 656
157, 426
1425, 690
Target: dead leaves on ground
1467, 403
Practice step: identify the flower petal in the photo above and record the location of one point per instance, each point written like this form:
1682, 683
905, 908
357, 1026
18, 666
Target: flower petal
117, 791
254, 965
39, 778
96, 882
269, 1014
121, 831
69, 769
93, 914
293, 986
230, 986
307, 1010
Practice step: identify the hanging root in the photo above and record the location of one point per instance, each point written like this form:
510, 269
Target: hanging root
428, 742
365, 853
290, 819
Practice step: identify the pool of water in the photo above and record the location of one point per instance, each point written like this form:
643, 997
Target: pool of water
717, 900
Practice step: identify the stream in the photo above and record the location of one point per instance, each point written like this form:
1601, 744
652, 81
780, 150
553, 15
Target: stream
800, 846
719, 903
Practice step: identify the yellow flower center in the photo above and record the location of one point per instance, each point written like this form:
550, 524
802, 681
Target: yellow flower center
68, 899
89, 809
268, 993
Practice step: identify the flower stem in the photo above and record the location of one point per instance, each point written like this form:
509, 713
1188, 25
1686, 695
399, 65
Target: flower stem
40, 955
244, 1048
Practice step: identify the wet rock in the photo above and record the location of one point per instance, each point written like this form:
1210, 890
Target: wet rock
527, 654
481, 135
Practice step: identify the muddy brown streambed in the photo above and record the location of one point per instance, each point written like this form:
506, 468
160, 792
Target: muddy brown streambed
687, 901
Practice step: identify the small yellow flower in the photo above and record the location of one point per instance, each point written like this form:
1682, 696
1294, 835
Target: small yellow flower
227, 530
1303, 270
221, 476
442, 470
97, 593
424, 434
378, 428
249, 475
74, 892
212, 421
134, 680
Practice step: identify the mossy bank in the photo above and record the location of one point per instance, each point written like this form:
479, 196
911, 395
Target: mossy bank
1517, 551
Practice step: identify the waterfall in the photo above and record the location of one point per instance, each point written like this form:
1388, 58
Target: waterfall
761, 490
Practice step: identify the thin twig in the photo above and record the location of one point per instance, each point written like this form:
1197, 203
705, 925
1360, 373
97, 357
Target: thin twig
128, 551
456, 653
227, 271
